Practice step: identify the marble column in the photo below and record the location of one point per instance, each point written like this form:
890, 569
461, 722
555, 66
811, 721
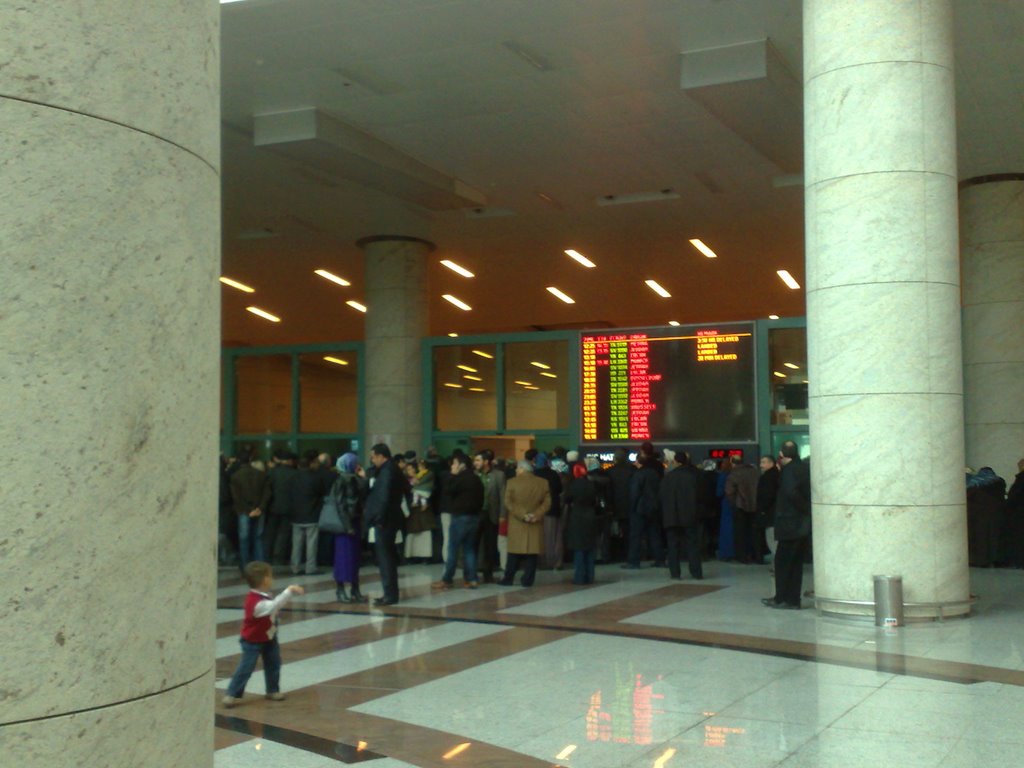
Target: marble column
883, 301
396, 322
992, 252
109, 318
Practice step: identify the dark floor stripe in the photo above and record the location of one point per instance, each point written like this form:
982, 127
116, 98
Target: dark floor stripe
342, 753
892, 663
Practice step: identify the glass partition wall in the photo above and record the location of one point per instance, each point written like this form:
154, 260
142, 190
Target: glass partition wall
293, 399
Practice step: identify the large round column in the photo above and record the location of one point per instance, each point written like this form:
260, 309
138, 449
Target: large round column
396, 322
883, 301
992, 249
109, 317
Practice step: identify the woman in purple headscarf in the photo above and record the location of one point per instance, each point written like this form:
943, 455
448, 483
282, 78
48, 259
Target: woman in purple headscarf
350, 491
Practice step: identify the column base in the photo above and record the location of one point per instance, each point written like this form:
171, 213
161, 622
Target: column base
864, 610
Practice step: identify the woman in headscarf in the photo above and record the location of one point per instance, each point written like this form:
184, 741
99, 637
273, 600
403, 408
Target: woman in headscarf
350, 491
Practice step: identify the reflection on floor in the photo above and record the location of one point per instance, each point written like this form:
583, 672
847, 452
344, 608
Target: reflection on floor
635, 670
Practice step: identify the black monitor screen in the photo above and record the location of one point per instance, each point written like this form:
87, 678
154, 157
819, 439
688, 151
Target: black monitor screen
688, 383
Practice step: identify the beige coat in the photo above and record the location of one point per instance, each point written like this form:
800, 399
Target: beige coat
526, 495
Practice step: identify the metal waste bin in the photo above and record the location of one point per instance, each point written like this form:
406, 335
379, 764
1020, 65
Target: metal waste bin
888, 601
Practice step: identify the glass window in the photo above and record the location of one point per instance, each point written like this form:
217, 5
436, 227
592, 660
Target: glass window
263, 385
787, 355
332, 446
464, 388
537, 385
328, 392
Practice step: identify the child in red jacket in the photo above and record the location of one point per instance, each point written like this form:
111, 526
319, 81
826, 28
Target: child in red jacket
259, 634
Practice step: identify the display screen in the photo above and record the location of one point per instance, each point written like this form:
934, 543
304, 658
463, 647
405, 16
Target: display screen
689, 383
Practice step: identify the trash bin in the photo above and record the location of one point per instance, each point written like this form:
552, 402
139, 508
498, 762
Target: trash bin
888, 601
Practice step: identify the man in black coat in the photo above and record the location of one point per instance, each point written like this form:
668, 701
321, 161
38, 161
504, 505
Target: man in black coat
679, 513
644, 510
792, 528
308, 488
767, 490
383, 514
620, 474
278, 530
465, 502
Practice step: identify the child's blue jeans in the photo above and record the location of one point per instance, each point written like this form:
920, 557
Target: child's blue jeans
271, 653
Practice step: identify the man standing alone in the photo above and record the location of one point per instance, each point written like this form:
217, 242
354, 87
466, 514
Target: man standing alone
792, 528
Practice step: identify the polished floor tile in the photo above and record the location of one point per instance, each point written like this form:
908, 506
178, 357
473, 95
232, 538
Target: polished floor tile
633, 671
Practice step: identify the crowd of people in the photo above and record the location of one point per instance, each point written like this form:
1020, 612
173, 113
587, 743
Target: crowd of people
497, 517
995, 519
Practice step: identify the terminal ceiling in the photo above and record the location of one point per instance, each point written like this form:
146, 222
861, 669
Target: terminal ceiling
538, 110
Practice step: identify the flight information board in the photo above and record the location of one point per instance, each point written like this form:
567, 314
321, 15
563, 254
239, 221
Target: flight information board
692, 383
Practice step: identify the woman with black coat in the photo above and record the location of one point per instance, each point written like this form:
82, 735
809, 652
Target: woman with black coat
583, 527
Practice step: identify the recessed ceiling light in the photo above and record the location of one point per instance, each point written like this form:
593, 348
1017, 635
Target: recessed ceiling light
456, 268
773, 317
477, 389
238, 285
580, 258
654, 286
555, 292
674, 323
467, 368
457, 302
469, 377
356, 306
794, 366
700, 246
336, 360
549, 375
545, 366
332, 277
264, 315
805, 381
453, 335
523, 383
480, 352
532, 389
780, 375
788, 279
453, 386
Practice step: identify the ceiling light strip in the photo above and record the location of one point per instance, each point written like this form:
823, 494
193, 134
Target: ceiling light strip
262, 313
788, 279
238, 285
457, 302
656, 287
563, 296
332, 277
456, 268
579, 257
700, 246
357, 306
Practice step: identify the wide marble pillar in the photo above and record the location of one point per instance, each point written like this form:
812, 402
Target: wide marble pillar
109, 352
883, 302
396, 322
992, 253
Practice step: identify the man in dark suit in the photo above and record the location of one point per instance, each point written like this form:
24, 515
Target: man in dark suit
679, 509
383, 515
792, 528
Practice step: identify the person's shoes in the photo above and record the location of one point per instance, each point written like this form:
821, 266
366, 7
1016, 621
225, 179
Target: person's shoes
787, 607
769, 602
381, 602
231, 701
275, 696
487, 579
628, 567
342, 595
441, 585
505, 583
472, 584
355, 596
